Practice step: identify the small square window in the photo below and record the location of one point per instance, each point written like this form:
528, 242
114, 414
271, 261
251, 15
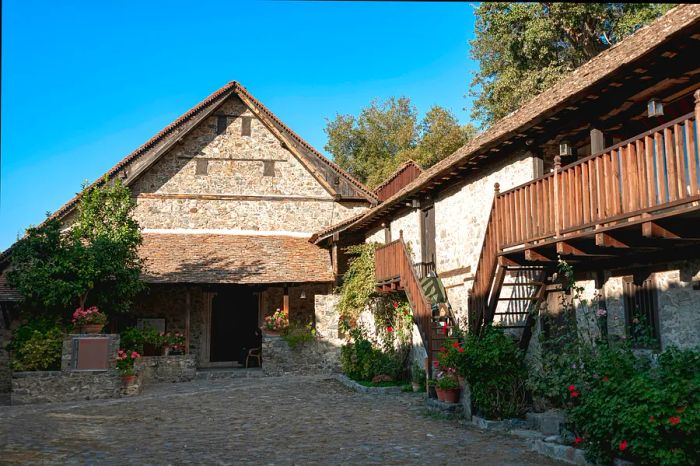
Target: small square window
245, 126
202, 167
268, 168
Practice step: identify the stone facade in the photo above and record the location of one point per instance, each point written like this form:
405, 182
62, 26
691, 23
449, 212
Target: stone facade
60, 386
229, 180
316, 357
327, 316
168, 369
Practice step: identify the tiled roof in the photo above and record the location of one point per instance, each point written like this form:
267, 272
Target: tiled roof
7, 293
222, 258
681, 18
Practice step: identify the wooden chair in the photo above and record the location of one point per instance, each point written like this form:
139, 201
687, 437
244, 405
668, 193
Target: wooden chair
254, 353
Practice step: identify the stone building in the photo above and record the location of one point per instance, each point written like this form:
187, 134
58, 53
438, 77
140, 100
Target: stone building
227, 197
602, 170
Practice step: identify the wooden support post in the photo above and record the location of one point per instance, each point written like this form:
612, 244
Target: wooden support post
188, 305
557, 168
285, 301
654, 230
597, 141
534, 256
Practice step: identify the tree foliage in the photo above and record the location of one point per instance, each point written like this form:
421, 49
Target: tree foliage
524, 48
94, 262
373, 144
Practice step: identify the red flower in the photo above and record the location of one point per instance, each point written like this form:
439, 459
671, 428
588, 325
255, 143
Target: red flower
455, 344
445, 329
443, 349
578, 440
623, 445
605, 378
390, 329
572, 388
460, 350
674, 420
395, 304
436, 364
574, 394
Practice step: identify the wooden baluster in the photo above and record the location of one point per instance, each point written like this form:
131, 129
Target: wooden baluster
671, 172
615, 188
585, 194
557, 168
660, 167
692, 159
649, 163
577, 185
632, 178
521, 216
695, 135
546, 209
682, 180
541, 208
641, 174
600, 186
496, 211
592, 190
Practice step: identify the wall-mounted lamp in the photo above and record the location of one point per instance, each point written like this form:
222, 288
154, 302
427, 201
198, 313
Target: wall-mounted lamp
565, 149
655, 108
302, 295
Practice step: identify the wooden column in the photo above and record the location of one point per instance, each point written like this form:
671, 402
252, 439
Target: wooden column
285, 300
557, 193
188, 305
597, 141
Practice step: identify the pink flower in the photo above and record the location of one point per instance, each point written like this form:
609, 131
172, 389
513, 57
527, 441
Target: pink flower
674, 420
623, 445
135, 355
574, 394
572, 388
390, 329
578, 440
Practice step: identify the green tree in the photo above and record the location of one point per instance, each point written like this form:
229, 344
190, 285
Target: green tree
94, 262
385, 134
524, 48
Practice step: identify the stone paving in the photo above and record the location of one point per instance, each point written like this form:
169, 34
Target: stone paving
261, 420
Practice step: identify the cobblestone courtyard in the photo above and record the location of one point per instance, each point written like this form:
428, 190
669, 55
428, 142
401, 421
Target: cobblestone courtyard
285, 420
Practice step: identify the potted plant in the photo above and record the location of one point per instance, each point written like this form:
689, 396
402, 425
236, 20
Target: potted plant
417, 378
173, 343
89, 320
449, 386
276, 323
125, 364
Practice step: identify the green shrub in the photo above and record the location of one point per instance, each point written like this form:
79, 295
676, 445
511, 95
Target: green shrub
133, 339
631, 409
297, 334
496, 373
40, 351
359, 284
360, 360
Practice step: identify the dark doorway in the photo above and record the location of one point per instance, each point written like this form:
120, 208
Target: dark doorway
234, 320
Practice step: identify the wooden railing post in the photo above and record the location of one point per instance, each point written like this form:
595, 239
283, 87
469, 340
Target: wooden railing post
496, 232
697, 116
557, 168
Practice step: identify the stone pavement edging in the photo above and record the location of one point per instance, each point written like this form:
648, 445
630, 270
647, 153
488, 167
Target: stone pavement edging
351, 384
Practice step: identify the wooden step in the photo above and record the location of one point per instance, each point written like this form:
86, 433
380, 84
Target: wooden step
510, 313
519, 299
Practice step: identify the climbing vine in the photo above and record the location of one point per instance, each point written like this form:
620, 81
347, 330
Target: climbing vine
358, 286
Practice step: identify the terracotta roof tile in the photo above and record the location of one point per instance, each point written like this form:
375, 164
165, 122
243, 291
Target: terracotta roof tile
7, 293
221, 258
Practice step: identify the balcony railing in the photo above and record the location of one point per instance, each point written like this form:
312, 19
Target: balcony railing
652, 171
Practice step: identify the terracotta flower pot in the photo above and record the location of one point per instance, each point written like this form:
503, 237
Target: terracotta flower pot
440, 393
272, 333
91, 328
128, 379
451, 395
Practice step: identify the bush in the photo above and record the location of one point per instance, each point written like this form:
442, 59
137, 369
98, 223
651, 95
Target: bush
38, 350
297, 334
631, 409
360, 360
496, 373
133, 338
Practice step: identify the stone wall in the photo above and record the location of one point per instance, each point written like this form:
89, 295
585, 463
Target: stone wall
220, 181
59, 386
408, 223
170, 369
316, 357
327, 316
461, 216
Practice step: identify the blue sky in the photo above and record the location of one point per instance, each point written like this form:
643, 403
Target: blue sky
86, 82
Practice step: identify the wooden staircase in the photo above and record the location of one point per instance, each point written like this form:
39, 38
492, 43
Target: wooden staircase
395, 272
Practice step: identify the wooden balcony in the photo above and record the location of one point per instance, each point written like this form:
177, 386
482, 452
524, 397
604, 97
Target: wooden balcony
635, 203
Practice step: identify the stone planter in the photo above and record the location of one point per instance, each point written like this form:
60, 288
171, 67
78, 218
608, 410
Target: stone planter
92, 329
